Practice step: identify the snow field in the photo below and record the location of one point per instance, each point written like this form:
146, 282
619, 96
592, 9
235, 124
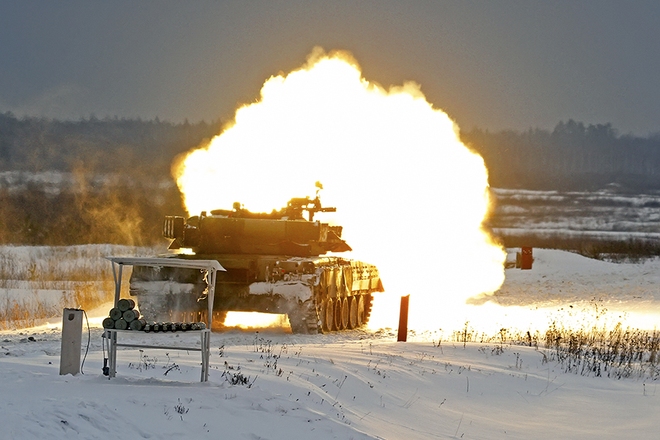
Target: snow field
358, 385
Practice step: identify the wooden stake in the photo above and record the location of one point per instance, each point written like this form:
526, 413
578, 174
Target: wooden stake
403, 319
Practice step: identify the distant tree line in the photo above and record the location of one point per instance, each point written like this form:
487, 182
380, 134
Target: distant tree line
129, 209
121, 189
118, 212
573, 156
99, 145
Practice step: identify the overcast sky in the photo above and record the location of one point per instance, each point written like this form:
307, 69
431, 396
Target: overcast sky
488, 64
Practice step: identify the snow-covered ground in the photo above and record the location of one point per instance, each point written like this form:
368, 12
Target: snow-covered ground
575, 290
355, 385
607, 214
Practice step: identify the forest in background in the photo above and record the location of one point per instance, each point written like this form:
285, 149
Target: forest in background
571, 157
92, 180
112, 182
109, 145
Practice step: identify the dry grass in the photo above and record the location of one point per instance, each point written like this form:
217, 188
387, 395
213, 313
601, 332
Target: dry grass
37, 282
598, 350
618, 352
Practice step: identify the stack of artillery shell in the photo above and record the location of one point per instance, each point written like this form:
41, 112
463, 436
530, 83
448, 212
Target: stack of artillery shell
124, 317
173, 326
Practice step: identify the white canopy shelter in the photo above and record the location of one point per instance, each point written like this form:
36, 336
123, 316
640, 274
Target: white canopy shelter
211, 266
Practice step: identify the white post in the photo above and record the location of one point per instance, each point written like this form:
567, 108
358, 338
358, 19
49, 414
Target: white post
71, 341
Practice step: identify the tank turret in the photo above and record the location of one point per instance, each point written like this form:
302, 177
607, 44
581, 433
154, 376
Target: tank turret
240, 231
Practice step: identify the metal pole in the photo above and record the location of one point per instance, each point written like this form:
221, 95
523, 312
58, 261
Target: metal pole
116, 274
206, 347
211, 296
403, 319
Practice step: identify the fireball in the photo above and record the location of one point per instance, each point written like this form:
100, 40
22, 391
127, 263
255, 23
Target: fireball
411, 196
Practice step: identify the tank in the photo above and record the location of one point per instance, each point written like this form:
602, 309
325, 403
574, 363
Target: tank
275, 262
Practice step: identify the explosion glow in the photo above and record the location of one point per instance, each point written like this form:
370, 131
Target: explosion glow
410, 195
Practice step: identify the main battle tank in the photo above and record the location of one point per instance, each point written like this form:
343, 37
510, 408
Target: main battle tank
275, 263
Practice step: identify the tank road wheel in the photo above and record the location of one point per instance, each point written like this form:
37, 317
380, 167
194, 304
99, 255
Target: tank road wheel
328, 315
338, 314
360, 310
344, 313
353, 312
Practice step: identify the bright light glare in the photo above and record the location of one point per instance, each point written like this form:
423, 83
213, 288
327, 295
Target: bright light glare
253, 319
489, 318
410, 195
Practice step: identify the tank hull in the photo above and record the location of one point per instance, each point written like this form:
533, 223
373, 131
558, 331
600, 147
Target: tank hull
318, 294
